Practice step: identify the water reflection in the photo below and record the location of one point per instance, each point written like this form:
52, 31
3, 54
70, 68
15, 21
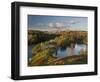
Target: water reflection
73, 49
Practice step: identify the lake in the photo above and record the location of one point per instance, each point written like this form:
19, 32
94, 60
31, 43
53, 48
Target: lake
61, 53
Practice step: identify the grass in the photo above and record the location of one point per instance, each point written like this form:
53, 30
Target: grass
45, 47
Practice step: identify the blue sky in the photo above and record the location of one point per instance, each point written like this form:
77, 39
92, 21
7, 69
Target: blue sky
49, 23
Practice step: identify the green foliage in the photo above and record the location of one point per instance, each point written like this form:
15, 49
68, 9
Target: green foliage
47, 43
35, 37
37, 48
42, 55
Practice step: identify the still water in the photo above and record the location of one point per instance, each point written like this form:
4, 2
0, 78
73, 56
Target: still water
68, 51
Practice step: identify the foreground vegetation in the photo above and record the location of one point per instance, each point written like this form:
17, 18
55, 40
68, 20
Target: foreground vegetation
46, 43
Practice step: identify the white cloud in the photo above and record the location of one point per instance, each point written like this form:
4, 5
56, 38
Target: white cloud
59, 24
50, 25
56, 25
40, 24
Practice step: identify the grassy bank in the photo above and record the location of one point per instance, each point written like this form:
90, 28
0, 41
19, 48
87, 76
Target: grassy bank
46, 43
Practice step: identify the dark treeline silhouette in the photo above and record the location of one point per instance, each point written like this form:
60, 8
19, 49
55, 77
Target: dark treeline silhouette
35, 37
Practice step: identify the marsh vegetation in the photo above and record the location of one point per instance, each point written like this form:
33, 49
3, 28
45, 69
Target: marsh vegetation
57, 48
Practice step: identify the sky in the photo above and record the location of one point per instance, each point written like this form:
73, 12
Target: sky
50, 23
